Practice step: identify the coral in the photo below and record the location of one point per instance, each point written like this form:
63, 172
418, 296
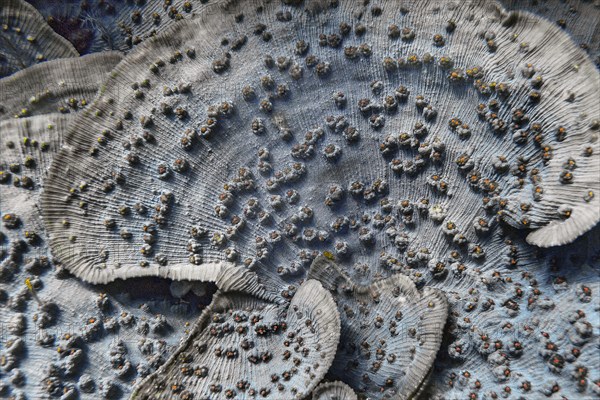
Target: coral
391, 332
59, 86
334, 390
93, 26
275, 351
579, 18
427, 169
161, 110
27, 39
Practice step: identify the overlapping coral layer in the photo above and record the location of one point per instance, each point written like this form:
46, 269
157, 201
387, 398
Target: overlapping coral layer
393, 199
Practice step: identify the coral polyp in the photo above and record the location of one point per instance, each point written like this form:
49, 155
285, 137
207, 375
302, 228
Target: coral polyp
393, 199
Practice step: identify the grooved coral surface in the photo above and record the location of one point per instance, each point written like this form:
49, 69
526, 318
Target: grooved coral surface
577, 17
62, 86
245, 347
444, 155
391, 331
26, 39
483, 142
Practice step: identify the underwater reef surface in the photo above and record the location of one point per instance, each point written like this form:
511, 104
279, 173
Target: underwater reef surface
296, 199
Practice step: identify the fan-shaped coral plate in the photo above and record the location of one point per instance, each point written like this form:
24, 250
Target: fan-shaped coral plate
251, 143
243, 346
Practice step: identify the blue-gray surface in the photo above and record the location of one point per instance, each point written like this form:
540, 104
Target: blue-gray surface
428, 139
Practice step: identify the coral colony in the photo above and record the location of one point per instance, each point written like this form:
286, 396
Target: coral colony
287, 199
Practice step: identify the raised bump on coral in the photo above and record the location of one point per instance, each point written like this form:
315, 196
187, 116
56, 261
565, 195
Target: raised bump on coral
246, 346
27, 39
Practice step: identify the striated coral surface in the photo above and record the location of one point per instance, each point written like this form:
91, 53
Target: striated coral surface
93, 26
428, 170
245, 347
27, 39
577, 17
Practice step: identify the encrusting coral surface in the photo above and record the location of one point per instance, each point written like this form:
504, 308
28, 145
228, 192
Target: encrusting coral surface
393, 199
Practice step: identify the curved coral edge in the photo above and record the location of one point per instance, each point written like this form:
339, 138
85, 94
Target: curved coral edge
55, 46
333, 390
65, 77
585, 216
325, 270
317, 302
